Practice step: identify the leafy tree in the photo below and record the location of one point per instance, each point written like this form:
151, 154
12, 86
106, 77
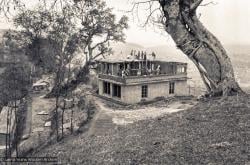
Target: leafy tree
55, 30
15, 80
34, 26
63, 35
98, 27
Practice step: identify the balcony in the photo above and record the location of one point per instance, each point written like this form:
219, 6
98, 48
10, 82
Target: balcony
112, 78
141, 71
131, 80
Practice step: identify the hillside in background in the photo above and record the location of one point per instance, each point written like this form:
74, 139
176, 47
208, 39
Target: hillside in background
236, 52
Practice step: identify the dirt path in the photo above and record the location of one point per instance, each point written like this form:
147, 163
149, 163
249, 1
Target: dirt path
36, 122
39, 104
100, 124
108, 118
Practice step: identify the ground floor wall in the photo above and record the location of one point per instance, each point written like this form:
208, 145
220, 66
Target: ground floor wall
133, 93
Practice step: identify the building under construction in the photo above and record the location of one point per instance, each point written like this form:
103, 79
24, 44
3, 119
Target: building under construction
141, 77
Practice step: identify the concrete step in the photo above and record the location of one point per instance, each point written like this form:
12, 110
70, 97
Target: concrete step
102, 124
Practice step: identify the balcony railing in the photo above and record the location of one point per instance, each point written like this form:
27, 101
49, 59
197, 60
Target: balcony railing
143, 78
112, 77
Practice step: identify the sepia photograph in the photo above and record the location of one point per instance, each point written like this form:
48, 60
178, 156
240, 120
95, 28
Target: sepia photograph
124, 82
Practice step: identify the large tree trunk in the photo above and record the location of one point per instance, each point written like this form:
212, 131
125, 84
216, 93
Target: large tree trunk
202, 47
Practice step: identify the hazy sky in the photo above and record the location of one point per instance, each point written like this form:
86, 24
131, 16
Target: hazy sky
229, 20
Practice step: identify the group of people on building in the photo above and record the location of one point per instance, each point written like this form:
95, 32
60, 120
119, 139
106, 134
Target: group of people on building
140, 72
138, 64
140, 55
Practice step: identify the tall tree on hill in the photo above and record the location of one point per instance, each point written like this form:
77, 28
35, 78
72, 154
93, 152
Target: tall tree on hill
58, 31
97, 28
96, 25
181, 22
34, 25
63, 35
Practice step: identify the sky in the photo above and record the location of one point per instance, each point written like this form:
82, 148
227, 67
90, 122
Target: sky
228, 20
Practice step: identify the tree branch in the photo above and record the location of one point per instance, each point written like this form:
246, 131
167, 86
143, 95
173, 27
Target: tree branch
195, 5
137, 4
103, 42
206, 4
150, 15
151, 9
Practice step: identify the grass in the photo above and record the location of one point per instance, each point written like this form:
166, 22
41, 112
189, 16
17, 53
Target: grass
212, 132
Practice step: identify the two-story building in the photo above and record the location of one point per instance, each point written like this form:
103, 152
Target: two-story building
138, 78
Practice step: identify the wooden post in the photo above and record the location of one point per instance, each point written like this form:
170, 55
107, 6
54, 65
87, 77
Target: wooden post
112, 69
105, 68
118, 66
111, 89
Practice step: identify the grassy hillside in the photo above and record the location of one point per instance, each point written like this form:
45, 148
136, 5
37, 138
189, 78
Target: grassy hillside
212, 132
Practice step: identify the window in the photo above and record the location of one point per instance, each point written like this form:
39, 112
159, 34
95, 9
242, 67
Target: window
117, 90
144, 91
171, 87
106, 87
